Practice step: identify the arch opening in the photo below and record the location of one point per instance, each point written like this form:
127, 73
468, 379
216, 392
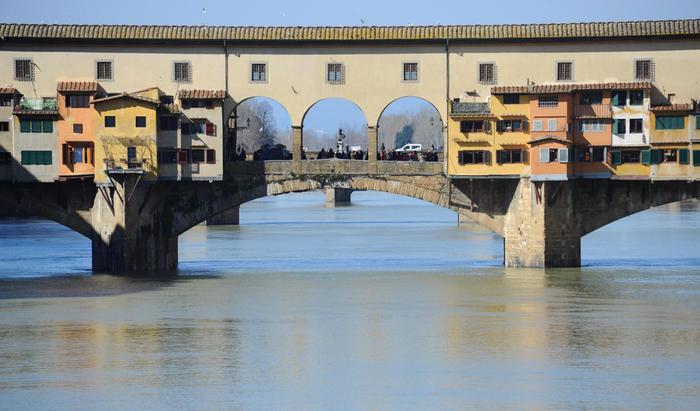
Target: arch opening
334, 128
410, 128
261, 130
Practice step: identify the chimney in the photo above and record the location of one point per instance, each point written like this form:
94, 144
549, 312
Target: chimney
671, 97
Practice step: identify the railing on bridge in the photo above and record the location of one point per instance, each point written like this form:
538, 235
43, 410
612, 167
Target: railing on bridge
334, 166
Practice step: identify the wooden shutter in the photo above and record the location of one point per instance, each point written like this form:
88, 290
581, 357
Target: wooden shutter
683, 156
487, 157
182, 156
616, 156
25, 126
696, 157
656, 156
524, 156
646, 157
499, 156
487, 126
210, 129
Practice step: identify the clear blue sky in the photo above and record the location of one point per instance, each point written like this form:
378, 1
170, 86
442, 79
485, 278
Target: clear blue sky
330, 115
350, 12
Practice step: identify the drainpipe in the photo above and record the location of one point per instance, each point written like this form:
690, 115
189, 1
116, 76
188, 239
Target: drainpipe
446, 140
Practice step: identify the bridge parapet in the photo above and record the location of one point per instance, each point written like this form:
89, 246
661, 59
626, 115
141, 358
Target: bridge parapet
334, 166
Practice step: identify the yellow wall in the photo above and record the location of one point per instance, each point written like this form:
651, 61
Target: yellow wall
112, 143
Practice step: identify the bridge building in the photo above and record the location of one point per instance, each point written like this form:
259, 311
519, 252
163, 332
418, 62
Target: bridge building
550, 131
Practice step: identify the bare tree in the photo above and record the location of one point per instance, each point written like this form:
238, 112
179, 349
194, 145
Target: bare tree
262, 128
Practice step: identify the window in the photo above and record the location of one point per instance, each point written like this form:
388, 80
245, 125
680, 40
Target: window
510, 156
670, 123
78, 101
511, 99
104, 71
592, 98
36, 158
210, 129
182, 72
636, 97
410, 71
198, 103
187, 128
140, 122
591, 125
552, 124
258, 72
6, 101
77, 128
4, 126
565, 71
166, 99
549, 155
644, 70
211, 156
168, 123
487, 73
697, 122
167, 156
473, 157
183, 156
110, 121
631, 156
619, 98
590, 154
335, 73
5, 157
619, 126
636, 125
468, 126
537, 125
79, 155
36, 126
197, 155
24, 70
510, 125
669, 156
548, 101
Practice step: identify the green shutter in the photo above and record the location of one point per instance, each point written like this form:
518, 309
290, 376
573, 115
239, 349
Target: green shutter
47, 126
25, 126
25, 158
680, 122
697, 122
646, 157
656, 156
48, 158
683, 155
616, 157
670, 123
36, 126
620, 126
696, 157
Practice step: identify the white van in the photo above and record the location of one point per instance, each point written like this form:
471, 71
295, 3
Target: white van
409, 148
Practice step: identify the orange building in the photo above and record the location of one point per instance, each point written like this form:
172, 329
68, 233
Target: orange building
592, 131
76, 128
551, 108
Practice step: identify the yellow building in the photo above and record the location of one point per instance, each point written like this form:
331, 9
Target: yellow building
670, 134
489, 139
126, 134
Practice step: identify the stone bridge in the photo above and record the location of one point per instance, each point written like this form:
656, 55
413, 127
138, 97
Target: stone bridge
134, 226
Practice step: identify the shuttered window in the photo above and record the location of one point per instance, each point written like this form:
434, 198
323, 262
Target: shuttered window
696, 158
211, 156
697, 122
683, 156
620, 126
474, 157
24, 70
616, 157
335, 73
644, 70
670, 123
487, 73
182, 72
646, 157
565, 71
410, 71
40, 158
619, 98
104, 70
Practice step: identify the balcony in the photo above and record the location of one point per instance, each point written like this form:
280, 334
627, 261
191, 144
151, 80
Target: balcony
124, 166
592, 111
462, 109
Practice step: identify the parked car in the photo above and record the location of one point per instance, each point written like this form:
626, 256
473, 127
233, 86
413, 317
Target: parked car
270, 152
408, 148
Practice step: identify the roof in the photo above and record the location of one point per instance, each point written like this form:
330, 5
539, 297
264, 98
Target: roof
672, 107
202, 94
77, 86
549, 138
571, 87
8, 90
126, 95
30, 112
630, 29
463, 109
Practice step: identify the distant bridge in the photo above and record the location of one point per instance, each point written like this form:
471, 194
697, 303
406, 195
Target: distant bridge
134, 225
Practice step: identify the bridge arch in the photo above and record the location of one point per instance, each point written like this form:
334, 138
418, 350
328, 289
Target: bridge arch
322, 121
410, 113
258, 120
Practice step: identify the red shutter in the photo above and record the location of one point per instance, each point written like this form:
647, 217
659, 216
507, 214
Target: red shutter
210, 129
182, 156
211, 156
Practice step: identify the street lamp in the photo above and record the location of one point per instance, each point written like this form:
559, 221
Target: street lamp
432, 121
247, 122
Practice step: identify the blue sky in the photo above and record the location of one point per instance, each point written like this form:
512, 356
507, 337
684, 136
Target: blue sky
351, 12
329, 115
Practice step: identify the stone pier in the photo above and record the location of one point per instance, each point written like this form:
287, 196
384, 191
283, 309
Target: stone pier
338, 196
228, 217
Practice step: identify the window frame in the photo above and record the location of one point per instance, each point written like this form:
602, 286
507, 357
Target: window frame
630, 130
78, 126
328, 73
652, 69
403, 71
517, 98
136, 122
548, 104
494, 71
97, 71
32, 75
671, 126
190, 72
571, 70
114, 121
5, 125
631, 102
266, 71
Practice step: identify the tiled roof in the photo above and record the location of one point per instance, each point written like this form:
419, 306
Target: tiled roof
549, 138
127, 95
77, 86
27, 112
464, 109
170, 108
8, 90
631, 29
202, 94
570, 87
672, 107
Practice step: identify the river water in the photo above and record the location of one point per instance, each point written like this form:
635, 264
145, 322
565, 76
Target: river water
386, 304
